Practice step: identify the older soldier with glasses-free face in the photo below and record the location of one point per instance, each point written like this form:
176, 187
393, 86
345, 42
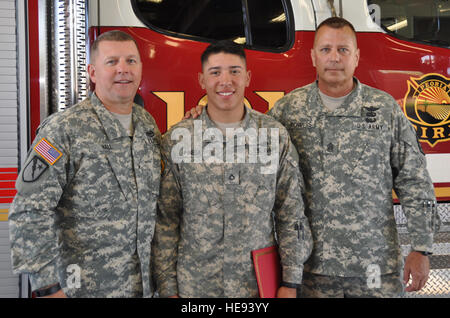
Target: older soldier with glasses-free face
81, 223
358, 147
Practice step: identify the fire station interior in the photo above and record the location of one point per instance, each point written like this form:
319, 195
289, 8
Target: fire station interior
260, 25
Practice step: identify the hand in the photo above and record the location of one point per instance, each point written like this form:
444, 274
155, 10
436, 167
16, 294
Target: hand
58, 294
418, 266
194, 112
286, 292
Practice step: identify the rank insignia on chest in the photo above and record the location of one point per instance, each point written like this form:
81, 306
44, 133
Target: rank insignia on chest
152, 138
371, 115
47, 151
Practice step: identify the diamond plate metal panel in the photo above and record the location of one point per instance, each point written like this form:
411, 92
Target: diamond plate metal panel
438, 284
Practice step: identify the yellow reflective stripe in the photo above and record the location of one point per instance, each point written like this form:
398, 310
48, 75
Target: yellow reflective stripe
442, 192
3, 215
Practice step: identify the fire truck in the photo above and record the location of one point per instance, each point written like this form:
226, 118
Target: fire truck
404, 45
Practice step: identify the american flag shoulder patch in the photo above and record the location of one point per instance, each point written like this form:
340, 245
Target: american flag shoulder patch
47, 151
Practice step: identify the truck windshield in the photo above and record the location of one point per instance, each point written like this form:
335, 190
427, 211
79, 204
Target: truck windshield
258, 24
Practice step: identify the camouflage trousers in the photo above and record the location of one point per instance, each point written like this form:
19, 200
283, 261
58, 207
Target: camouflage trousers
320, 286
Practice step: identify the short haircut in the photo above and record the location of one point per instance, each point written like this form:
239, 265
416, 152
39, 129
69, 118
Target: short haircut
223, 46
336, 23
114, 35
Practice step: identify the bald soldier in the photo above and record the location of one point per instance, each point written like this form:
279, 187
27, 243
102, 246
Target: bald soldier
82, 221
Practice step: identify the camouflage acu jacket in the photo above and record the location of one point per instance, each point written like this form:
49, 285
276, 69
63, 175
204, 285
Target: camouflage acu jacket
352, 159
86, 203
212, 215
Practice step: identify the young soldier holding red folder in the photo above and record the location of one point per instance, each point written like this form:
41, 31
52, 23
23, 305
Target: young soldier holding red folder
213, 214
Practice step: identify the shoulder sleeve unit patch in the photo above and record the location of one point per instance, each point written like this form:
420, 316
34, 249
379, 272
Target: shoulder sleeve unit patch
47, 151
34, 169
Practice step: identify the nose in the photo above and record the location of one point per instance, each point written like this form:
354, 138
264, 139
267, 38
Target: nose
225, 79
335, 56
122, 66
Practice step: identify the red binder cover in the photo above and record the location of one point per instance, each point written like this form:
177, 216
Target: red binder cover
268, 271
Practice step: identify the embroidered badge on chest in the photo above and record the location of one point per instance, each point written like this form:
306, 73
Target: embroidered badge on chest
371, 115
151, 137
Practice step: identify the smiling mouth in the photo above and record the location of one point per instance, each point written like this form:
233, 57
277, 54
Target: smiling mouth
123, 82
225, 94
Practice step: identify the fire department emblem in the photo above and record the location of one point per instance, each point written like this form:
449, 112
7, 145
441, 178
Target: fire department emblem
427, 106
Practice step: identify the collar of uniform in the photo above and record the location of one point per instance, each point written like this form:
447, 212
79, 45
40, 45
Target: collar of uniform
111, 125
247, 122
351, 107
140, 128
208, 123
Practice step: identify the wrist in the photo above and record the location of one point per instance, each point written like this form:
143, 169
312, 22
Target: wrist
46, 291
289, 285
424, 253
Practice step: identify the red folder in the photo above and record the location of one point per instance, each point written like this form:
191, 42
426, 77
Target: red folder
268, 271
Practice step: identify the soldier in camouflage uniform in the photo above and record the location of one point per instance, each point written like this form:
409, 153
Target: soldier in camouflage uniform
82, 222
212, 215
356, 146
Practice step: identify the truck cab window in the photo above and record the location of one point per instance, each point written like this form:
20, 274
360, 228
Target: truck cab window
269, 23
209, 19
261, 24
425, 21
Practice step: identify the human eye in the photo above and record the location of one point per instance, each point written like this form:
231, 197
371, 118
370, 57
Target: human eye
110, 62
325, 50
132, 60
